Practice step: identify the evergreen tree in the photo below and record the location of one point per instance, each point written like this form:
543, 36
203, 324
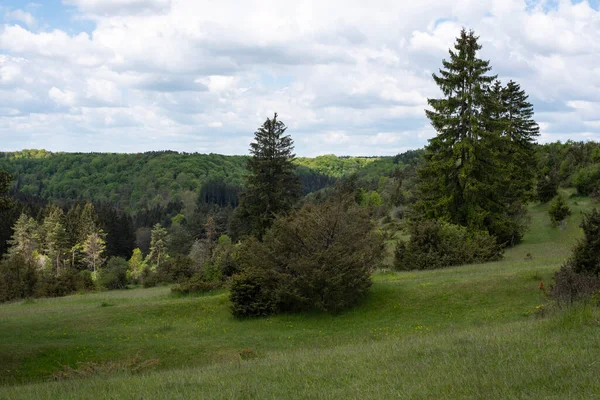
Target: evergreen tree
520, 132
87, 222
55, 239
272, 186
479, 168
456, 180
5, 179
25, 239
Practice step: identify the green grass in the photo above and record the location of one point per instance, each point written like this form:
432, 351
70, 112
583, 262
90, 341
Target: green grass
465, 332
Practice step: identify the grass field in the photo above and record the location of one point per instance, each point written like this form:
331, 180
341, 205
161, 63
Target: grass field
474, 331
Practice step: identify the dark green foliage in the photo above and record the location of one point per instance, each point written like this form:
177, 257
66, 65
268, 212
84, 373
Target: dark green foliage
52, 285
5, 180
253, 293
18, 279
435, 244
321, 257
455, 179
177, 269
559, 210
546, 188
586, 253
477, 169
114, 275
272, 187
519, 132
196, 284
149, 278
84, 281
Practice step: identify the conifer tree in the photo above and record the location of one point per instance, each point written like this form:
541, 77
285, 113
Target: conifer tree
456, 180
25, 239
272, 186
479, 168
5, 179
520, 132
55, 236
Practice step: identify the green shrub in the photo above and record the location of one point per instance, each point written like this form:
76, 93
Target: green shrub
321, 257
84, 281
253, 294
18, 279
114, 275
586, 253
196, 284
52, 285
176, 269
587, 180
579, 277
559, 210
546, 188
434, 244
149, 278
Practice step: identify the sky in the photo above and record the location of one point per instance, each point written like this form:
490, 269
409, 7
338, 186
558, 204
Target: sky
347, 77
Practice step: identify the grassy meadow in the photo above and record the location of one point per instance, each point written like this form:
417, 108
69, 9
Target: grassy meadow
476, 331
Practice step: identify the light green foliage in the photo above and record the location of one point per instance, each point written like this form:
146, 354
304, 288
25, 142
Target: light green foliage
26, 238
371, 199
331, 165
158, 246
94, 248
136, 265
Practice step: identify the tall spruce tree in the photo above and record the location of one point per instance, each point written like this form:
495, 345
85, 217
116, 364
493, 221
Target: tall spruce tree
520, 132
55, 239
478, 169
272, 186
456, 180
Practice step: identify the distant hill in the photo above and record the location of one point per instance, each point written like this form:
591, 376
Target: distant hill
138, 181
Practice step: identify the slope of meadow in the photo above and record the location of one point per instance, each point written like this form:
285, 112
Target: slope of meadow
474, 331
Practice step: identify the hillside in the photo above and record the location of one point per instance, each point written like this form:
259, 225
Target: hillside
466, 332
135, 182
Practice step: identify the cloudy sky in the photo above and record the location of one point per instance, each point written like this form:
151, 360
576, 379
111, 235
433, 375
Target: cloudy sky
347, 77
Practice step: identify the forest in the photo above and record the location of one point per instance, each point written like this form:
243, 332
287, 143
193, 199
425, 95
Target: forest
271, 238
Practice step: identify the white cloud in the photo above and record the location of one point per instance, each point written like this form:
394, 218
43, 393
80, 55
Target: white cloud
345, 77
21, 16
62, 98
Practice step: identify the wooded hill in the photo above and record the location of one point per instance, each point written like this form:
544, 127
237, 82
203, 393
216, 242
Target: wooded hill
135, 182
